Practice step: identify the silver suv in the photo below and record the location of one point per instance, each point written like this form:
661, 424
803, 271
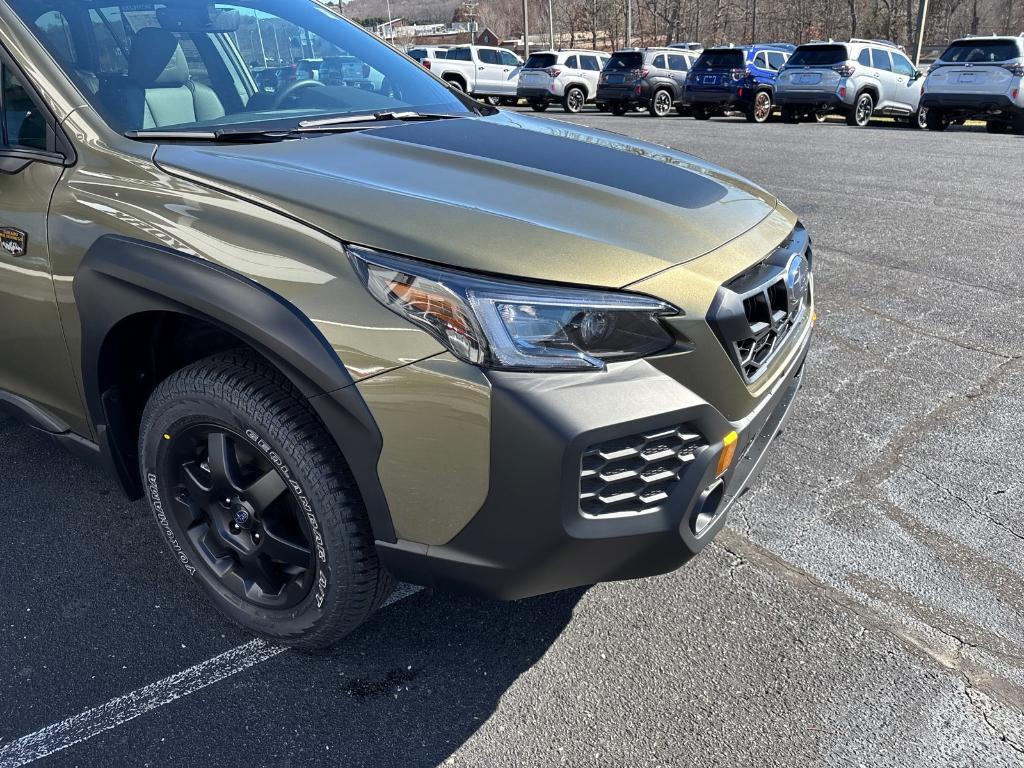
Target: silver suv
977, 77
859, 79
569, 77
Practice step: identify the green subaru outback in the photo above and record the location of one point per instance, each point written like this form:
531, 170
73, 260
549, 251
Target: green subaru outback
339, 334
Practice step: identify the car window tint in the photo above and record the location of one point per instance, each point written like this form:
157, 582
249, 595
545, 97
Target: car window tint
659, 62
776, 60
730, 59
678, 63
487, 56
54, 27
459, 54
818, 55
589, 63
508, 58
864, 57
981, 51
24, 124
761, 61
625, 61
572, 63
880, 59
901, 65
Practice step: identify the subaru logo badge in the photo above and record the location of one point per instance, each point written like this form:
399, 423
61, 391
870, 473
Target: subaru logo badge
798, 278
241, 515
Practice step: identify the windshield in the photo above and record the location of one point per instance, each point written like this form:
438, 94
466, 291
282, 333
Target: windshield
188, 64
817, 56
980, 51
731, 59
624, 61
540, 61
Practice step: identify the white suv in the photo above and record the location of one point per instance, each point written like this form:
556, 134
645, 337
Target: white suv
569, 77
977, 77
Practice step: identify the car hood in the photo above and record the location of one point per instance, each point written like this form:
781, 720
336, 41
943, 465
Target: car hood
508, 194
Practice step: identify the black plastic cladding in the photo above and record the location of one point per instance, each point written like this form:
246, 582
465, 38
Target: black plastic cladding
751, 314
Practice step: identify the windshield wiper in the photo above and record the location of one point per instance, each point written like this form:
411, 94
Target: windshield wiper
218, 135
351, 120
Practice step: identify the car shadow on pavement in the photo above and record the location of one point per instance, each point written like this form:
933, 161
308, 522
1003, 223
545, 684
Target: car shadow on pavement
94, 608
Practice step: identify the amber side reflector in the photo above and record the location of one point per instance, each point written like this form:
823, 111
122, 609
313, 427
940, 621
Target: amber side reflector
728, 453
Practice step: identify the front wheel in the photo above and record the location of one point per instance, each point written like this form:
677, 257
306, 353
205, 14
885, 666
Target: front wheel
860, 115
257, 503
919, 120
574, 100
761, 109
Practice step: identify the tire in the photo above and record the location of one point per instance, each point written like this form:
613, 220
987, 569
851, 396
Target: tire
919, 119
700, 113
789, 115
661, 103
538, 106
509, 101
601, 106
303, 531
936, 121
491, 101
574, 100
996, 126
618, 108
819, 117
682, 110
761, 110
456, 84
860, 115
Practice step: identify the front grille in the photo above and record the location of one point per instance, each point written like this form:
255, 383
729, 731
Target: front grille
754, 314
636, 474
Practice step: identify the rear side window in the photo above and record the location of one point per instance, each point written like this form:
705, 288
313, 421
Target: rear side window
818, 55
590, 63
761, 61
981, 51
623, 62
677, 63
731, 59
572, 63
659, 61
459, 54
540, 61
880, 59
776, 60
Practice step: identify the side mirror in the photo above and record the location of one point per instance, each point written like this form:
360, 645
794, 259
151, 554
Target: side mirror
918, 74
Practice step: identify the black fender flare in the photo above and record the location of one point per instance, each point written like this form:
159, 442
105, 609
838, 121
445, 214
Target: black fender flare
120, 277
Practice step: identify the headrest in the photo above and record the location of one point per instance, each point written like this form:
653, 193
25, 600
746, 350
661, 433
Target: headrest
156, 60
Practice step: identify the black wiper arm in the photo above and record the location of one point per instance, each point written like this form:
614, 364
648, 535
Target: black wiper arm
329, 123
221, 135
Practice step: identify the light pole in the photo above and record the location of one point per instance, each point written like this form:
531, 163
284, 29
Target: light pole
629, 24
551, 27
526, 30
922, 19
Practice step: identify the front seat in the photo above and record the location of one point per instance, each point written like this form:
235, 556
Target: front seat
159, 90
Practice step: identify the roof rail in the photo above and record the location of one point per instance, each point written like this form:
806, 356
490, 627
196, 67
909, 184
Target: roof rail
877, 41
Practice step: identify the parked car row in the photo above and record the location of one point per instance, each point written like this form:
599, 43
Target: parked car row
976, 77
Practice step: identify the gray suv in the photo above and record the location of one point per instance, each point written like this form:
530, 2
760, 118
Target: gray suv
645, 77
859, 79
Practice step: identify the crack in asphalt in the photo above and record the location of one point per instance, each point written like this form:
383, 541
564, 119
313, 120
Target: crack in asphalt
747, 553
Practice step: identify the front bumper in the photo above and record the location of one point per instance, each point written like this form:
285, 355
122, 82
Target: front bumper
530, 536
972, 103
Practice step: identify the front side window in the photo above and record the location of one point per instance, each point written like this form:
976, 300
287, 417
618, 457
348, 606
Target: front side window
901, 65
188, 64
488, 56
24, 124
508, 58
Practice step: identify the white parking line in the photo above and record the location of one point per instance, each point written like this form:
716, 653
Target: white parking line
119, 711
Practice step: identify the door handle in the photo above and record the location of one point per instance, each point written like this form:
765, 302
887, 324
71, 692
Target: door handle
480, 68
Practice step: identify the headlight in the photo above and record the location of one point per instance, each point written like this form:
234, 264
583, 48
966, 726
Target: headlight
515, 326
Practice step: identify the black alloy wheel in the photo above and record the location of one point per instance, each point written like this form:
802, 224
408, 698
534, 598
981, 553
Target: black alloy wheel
246, 530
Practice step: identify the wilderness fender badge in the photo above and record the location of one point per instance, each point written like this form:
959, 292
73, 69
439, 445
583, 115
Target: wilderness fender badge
13, 241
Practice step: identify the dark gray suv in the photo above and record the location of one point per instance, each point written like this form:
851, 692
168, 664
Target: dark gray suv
645, 77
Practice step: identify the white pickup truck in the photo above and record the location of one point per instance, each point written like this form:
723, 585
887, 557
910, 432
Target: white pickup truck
487, 73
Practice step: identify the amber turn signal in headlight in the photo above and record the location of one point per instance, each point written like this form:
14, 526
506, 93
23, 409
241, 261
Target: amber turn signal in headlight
728, 453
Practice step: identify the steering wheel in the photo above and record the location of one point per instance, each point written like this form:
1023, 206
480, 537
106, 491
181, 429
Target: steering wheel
289, 90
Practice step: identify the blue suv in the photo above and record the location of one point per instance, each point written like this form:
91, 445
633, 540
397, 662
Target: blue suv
736, 79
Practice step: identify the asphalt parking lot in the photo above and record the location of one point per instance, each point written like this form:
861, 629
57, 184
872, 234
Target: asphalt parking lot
864, 607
